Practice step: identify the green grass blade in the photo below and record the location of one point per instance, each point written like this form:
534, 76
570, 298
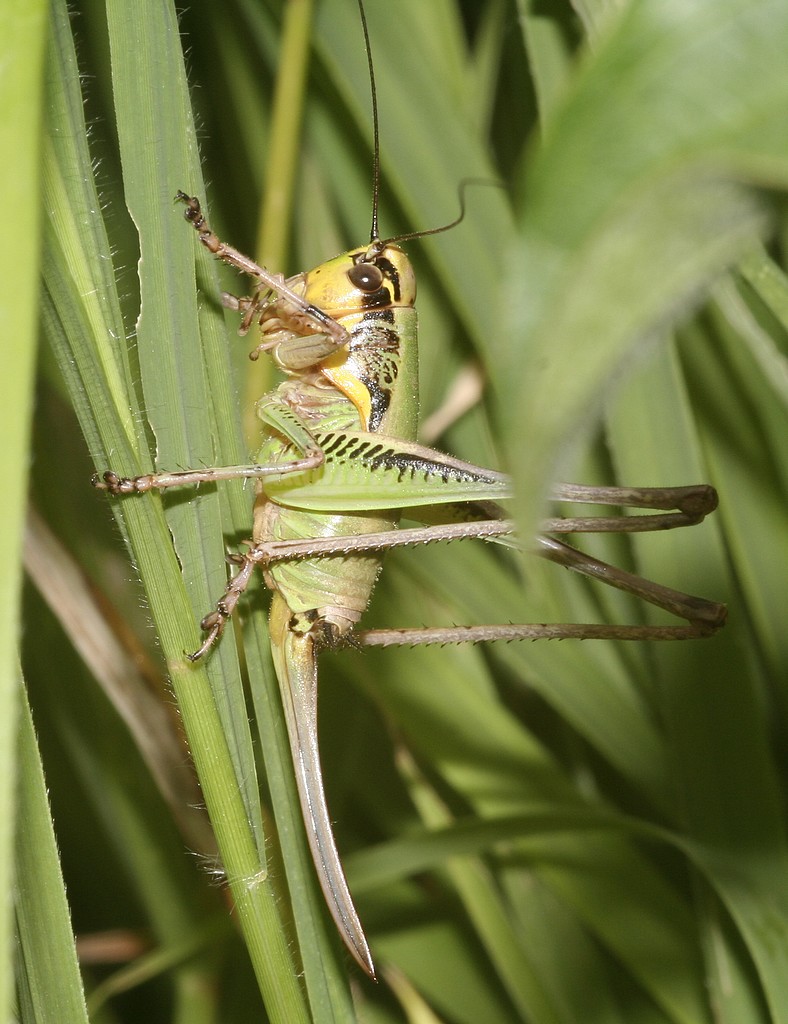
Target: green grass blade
178, 378
286, 121
477, 890
47, 972
549, 56
22, 51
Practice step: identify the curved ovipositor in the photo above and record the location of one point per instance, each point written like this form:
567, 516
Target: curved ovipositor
296, 670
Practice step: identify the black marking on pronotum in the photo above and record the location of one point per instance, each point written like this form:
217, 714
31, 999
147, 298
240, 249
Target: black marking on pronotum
369, 335
379, 401
376, 348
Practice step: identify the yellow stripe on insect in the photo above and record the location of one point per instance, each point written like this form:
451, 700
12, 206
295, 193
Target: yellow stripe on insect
340, 369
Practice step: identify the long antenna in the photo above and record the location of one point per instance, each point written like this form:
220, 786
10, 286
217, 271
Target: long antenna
375, 243
373, 235
452, 223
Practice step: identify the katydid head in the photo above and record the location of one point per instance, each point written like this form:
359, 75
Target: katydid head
356, 281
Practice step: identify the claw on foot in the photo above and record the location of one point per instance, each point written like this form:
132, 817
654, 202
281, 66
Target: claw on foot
115, 484
213, 624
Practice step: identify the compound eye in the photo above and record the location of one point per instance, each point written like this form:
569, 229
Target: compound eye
366, 277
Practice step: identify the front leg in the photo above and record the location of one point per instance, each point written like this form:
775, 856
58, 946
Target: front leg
335, 334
